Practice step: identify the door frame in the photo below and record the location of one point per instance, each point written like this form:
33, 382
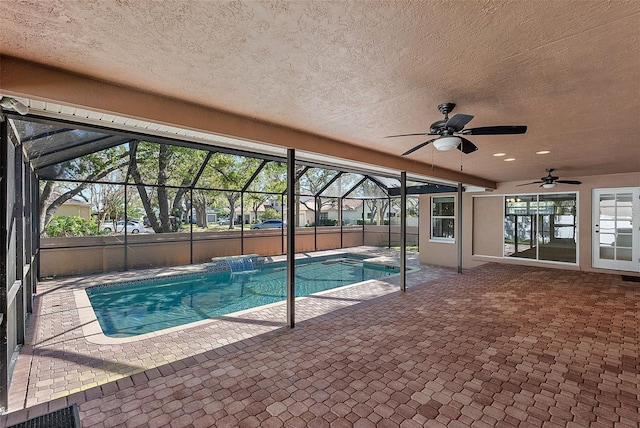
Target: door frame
622, 265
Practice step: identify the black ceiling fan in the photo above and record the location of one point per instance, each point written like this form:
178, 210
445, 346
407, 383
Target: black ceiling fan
450, 129
550, 181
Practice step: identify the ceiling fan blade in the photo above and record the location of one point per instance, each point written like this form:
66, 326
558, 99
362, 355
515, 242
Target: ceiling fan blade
466, 146
458, 121
569, 181
528, 184
419, 146
406, 135
496, 130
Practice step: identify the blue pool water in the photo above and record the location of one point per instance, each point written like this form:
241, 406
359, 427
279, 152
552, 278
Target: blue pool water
143, 307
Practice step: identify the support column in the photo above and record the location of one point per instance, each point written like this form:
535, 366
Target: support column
291, 241
241, 222
191, 224
126, 235
20, 260
340, 200
5, 265
316, 216
283, 220
29, 234
459, 234
389, 219
363, 203
37, 226
403, 231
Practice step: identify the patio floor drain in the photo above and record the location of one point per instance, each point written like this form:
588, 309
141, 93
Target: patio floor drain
63, 418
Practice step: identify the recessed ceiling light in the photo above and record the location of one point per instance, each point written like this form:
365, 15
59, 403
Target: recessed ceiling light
543, 152
499, 154
509, 159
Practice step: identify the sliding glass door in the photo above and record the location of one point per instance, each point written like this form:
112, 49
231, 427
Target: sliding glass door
541, 227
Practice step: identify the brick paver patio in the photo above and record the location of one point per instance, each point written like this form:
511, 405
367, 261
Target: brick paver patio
500, 345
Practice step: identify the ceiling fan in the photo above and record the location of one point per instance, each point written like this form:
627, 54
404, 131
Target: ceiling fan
450, 129
549, 182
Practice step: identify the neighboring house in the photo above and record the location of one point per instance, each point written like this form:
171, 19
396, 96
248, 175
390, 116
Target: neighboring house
351, 212
75, 207
212, 216
249, 215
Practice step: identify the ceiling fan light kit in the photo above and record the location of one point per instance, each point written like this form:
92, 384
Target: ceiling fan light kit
549, 185
447, 143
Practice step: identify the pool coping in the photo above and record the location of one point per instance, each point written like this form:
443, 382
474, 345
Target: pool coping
93, 332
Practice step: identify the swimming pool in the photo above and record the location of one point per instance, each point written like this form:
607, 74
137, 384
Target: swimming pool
146, 306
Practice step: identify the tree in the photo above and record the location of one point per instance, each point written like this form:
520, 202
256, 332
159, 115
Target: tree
199, 206
79, 172
271, 182
378, 209
228, 173
270, 214
311, 183
377, 201
164, 166
413, 207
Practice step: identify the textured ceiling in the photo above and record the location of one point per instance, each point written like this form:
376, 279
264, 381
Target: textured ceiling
358, 70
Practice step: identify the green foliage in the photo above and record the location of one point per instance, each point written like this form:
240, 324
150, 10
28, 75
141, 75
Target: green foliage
325, 222
367, 222
64, 226
89, 166
171, 165
272, 179
270, 214
228, 172
314, 180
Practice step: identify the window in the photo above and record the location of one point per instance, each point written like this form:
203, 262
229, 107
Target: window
541, 227
443, 218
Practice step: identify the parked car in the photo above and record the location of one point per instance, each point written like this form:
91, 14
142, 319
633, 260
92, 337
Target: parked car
269, 224
132, 227
223, 221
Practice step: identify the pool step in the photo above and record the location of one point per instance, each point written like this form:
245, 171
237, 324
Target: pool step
382, 262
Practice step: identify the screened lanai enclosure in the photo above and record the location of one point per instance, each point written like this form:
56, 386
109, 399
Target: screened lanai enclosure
84, 199
110, 201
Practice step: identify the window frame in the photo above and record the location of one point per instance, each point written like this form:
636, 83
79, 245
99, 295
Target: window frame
443, 239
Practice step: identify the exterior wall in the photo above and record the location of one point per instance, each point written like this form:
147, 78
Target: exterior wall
488, 222
446, 253
82, 211
483, 224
